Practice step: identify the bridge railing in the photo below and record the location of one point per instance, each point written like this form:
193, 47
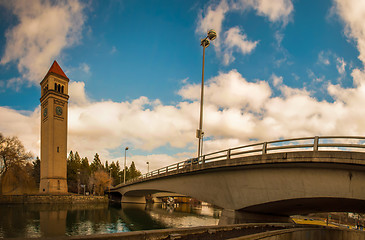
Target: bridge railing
285, 145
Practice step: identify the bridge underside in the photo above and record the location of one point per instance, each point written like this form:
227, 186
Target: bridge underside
308, 205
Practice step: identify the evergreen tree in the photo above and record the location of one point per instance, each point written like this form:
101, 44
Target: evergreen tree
85, 173
96, 164
115, 171
36, 173
71, 156
85, 163
133, 172
107, 166
77, 158
73, 172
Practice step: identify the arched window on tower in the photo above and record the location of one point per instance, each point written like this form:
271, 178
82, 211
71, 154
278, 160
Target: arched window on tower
59, 88
55, 86
62, 88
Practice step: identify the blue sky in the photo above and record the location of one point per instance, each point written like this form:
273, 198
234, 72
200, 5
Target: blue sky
278, 69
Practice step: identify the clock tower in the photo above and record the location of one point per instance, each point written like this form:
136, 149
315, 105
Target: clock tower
54, 100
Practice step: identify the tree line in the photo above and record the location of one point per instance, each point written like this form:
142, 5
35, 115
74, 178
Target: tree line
96, 177
20, 172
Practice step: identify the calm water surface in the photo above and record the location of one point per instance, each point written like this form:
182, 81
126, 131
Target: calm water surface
47, 220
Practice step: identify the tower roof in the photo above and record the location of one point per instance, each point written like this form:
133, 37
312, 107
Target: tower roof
55, 68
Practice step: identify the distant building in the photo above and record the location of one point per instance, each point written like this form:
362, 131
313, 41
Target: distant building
54, 101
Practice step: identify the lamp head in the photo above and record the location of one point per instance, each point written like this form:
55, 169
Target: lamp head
212, 34
126, 148
204, 42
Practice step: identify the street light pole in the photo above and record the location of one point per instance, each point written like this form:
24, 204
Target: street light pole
125, 161
78, 181
199, 132
200, 129
148, 167
110, 178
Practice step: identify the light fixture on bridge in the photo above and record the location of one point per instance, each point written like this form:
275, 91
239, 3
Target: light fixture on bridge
211, 35
125, 161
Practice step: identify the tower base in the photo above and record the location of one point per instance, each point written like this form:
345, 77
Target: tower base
53, 185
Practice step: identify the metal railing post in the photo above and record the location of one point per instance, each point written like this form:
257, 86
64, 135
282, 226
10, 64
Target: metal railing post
315, 144
264, 148
228, 154
203, 161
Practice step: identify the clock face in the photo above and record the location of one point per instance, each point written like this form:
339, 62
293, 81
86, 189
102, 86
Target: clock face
58, 110
45, 112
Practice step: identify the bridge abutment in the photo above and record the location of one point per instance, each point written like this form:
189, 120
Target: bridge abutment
229, 217
114, 197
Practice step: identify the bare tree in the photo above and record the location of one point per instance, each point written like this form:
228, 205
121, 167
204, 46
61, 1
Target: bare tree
100, 181
13, 170
12, 152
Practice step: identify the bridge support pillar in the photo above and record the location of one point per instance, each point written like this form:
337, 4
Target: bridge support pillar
157, 200
229, 217
134, 199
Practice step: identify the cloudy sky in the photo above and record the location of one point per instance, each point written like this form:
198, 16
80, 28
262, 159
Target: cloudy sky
278, 69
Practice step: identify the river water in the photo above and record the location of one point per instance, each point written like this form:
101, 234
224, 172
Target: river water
48, 220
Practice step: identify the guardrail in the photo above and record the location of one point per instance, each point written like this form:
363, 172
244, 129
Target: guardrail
293, 144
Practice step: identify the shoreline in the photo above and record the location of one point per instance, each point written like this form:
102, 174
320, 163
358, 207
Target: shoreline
49, 199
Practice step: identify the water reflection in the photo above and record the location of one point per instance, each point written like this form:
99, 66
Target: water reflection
184, 215
48, 220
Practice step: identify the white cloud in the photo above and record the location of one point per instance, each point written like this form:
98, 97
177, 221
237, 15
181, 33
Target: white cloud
214, 15
185, 80
230, 90
14, 83
277, 81
340, 65
234, 39
278, 10
44, 29
323, 58
77, 91
314, 77
235, 111
25, 125
352, 13
85, 68
213, 19
156, 161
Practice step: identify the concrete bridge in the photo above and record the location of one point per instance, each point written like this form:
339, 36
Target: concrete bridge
266, 182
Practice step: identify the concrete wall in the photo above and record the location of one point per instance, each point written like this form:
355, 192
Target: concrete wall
201, 233
51, 199
234, 232
305, 234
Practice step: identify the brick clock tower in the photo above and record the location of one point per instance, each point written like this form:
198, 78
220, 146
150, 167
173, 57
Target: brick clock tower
54, 100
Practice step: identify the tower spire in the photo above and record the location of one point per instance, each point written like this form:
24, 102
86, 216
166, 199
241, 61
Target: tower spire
55, 68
